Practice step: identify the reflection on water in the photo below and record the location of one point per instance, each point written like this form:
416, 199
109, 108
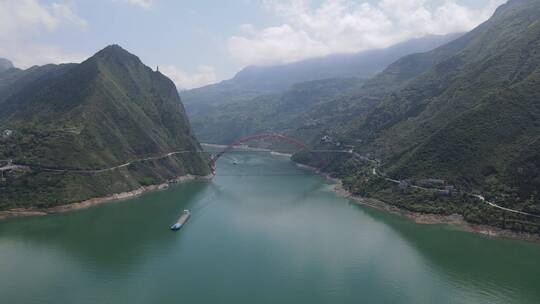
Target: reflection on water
263, 231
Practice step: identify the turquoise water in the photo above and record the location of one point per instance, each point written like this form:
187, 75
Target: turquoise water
262, 231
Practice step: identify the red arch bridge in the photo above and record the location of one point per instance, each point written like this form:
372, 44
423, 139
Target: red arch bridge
272, 136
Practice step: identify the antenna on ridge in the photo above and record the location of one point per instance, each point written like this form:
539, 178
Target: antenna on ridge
157, 68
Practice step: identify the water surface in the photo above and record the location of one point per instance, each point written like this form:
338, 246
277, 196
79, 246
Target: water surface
262, 231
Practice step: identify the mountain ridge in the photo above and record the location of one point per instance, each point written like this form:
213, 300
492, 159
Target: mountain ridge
253, 81
363, 64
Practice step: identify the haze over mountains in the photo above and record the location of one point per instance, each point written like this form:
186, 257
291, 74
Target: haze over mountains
107, 111
259, 98
5, 65
362, 65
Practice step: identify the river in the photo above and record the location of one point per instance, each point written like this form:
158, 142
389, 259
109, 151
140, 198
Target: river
263, 231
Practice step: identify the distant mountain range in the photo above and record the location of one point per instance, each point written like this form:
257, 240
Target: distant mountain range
107, 111
265, 91
274, 112
364, 64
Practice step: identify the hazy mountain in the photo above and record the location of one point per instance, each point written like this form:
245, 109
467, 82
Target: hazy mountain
254, 81
104, 112
363, 65
8, 74
279, 98
274, 112
5, 65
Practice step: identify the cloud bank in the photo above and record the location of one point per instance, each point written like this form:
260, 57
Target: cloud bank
344, 26
204, 75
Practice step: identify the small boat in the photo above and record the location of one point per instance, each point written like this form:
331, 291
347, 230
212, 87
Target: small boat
235, 162
182, 220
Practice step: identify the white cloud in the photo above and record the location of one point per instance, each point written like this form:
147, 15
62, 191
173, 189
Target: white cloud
340, 26
204, 75
247, 29
141, 3
21, 21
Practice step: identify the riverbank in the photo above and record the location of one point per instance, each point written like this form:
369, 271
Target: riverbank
26, 212
422, 218
434, 219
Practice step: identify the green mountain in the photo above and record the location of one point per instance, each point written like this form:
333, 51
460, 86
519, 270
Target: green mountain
467, 113
334, 116
15, 80
255, 81
107, 111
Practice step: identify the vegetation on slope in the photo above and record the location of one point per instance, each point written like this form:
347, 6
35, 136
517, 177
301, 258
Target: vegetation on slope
104, 112
470, 117
278, 112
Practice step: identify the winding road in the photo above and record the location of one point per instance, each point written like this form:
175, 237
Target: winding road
483, 199
479, 197
15, 166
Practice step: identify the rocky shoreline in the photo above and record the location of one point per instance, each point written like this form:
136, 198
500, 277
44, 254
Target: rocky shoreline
422, 218
26, 212
433, 219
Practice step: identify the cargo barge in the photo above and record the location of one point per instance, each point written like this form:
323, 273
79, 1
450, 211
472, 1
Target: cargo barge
182, 220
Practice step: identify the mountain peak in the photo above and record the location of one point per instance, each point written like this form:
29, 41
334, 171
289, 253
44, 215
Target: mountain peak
114, 48
115, 52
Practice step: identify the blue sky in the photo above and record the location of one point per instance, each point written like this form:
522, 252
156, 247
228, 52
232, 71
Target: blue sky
197, 42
